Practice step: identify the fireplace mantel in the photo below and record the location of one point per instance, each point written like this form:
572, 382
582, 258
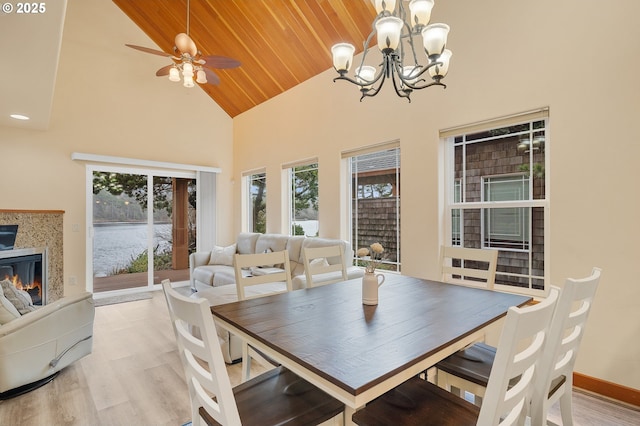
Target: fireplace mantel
41, 228
33, 211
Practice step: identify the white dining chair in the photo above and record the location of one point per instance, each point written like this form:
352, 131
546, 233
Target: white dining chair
468, 266
324, 265
260, 275
468, 370
275, 397
517, 362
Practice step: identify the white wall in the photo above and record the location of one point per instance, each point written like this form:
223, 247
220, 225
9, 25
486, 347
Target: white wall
109, 102
579, 58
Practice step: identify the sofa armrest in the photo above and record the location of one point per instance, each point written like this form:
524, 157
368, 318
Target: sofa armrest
60, 308
44, 341
199, 258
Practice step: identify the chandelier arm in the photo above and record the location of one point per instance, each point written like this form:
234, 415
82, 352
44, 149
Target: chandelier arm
399, 90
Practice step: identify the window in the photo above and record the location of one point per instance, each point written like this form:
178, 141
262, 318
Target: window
257, 202
374, 181
303, 199
496, 195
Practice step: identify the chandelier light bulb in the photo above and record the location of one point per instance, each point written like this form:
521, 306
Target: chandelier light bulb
382, 5
409, 73
420, 13
342, 56
389, 30
440, 71
365, 74
434, 37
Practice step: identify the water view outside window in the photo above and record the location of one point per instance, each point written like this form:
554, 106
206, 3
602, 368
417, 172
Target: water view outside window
304, 200
143, 229
375, 203
497, 200
257, 202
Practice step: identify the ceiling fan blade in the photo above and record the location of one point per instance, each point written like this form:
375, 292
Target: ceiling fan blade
164, 70
148, 50
212, 77
220, 62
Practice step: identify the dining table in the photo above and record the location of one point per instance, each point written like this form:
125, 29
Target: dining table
357, 352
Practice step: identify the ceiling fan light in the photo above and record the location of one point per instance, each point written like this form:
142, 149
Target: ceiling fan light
201, 77
174, 74
187, 69
188, 81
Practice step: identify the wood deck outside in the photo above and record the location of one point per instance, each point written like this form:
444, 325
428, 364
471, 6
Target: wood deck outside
139, 279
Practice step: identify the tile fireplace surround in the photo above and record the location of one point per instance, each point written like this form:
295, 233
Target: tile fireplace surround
41, 228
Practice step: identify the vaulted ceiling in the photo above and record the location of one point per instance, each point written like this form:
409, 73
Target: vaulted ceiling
280, 43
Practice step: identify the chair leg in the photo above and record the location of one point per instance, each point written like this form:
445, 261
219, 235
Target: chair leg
566, 407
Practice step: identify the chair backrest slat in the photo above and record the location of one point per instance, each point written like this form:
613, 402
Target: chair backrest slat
258, 260
329, 254
458, 264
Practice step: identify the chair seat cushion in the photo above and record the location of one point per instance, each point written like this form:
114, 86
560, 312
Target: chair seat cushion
472, 364
431, 406
279, 397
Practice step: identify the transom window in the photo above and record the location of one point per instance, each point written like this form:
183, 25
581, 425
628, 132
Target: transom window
496, 197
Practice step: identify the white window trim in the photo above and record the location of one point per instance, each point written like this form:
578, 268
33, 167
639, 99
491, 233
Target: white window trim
446, 142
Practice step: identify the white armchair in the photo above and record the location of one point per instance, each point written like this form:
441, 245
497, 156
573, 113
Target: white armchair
37, 345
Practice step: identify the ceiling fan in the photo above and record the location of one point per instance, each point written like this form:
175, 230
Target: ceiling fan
189, 61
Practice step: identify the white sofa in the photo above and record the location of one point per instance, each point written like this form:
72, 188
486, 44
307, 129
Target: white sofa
38, 344
213, 278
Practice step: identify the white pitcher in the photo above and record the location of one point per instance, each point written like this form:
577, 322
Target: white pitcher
370, 283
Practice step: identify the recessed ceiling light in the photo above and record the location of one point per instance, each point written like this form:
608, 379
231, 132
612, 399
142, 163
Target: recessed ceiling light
19, 117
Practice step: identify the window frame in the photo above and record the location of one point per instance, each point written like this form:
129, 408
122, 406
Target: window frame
447, 138
289, 170
251, 177
350, 221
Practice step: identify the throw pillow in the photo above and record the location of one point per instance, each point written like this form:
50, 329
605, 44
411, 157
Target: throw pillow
17, 298
222, 255
8, 312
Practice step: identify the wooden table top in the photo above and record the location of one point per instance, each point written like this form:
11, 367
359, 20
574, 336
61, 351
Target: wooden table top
328, 330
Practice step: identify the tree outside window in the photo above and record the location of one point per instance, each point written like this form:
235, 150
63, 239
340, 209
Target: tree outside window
304, 200
257, 202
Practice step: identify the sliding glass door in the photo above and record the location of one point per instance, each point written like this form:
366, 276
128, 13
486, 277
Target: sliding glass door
143, 228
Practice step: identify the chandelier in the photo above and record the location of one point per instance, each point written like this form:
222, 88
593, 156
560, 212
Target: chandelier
397, 36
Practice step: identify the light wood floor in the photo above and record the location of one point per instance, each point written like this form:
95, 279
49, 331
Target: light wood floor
134, 377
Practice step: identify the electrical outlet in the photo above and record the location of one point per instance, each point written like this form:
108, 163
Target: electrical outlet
73, 280
75, 227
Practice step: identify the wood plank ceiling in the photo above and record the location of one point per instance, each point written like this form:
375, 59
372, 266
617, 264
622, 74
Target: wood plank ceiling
280, 43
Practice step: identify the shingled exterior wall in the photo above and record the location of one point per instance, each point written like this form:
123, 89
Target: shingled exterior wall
495, 158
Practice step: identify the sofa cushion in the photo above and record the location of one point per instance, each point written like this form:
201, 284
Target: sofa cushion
206, 273
19, 299
246, 243
222, 255
8, 312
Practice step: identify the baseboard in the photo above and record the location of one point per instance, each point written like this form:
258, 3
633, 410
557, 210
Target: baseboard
607, 389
